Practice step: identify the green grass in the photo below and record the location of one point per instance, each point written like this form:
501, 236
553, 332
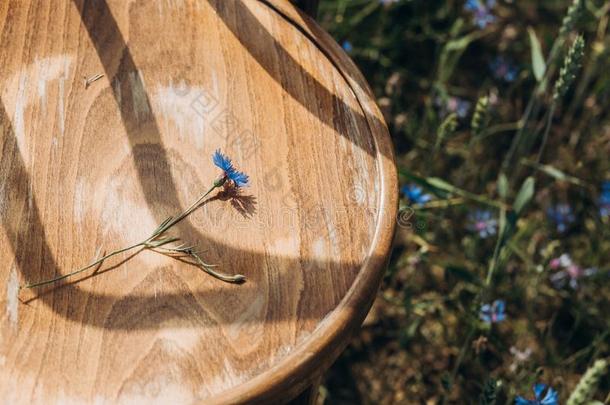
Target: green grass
534, 144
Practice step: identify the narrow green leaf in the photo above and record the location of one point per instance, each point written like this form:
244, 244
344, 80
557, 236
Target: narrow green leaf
525, 195
162, 242
503, 185
441, 193
538, 64
162, 226
443, 189
506, 225
554, 173
502, 226
443, 186
453, 51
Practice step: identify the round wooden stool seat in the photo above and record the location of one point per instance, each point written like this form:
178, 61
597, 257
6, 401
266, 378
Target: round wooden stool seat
110, 111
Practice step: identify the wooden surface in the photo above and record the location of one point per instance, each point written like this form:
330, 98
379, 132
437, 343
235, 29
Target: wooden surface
100, 165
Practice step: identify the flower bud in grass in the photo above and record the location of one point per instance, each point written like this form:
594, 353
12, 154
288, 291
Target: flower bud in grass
571, 18
584, 391
571, 65
479, 118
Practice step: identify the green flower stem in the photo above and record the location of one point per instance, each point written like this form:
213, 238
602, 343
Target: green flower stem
481, 296
156, 242
460, 358
193, 206
510, 126
95, 263
208, 268
547, 129
532, 103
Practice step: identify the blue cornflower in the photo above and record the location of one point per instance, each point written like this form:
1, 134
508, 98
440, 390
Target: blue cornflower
604, 200
550, 396
481, 11
240, 179
494, 312
561, 215
483, 223
347, 46
503, 69
415, 194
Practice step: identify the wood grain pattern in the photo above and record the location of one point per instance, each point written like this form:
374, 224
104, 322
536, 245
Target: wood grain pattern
84, 166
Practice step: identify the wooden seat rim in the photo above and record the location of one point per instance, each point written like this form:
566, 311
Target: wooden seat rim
305, 363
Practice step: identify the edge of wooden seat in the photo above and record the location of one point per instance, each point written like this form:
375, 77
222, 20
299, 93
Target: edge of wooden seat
295, 372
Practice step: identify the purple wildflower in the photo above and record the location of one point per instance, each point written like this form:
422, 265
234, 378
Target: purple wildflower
562, 216
568, 272
415, 194
494, 312
223, 162
544, 395
483, 223
481, 11
562, 261
458, 106
453, 105
519, 357
503, 69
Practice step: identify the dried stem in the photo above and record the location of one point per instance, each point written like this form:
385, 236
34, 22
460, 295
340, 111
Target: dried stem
157, 241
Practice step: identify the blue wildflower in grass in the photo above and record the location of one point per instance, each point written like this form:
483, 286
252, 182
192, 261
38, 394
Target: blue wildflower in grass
544, 395
568, 272
562, 216
415, 194
503, 69
459, 106
494, 312
453, 105
483, 223
223, 162
347, 46
604, 200
481, 10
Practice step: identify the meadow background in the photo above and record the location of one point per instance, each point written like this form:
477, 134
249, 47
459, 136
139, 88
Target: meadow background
499, 279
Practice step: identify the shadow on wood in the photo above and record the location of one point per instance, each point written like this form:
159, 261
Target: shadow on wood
84, 167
